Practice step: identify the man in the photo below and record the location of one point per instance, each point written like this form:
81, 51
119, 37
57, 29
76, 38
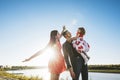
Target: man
74, 61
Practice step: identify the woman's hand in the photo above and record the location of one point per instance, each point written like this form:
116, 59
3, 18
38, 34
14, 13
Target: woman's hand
26, 60
34, 55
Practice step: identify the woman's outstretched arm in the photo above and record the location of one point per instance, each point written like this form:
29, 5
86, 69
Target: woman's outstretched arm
33, 56
36, 54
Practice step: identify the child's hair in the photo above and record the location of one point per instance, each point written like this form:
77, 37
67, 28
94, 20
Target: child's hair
82, 30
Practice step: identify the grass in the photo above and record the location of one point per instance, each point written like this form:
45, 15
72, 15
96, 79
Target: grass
105, 71
6, 75
105, 68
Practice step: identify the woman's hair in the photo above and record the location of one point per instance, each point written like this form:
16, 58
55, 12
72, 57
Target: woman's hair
82, 30
53, 35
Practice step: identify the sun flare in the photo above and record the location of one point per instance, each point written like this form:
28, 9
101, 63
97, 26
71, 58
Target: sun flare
48, 53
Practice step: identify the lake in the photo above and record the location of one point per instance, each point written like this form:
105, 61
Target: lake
65, 75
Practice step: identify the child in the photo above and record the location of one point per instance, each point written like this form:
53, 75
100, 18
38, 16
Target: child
80, 44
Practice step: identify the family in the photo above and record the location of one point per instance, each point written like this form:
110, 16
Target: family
74, 57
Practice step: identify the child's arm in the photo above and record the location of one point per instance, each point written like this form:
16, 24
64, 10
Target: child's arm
86, 54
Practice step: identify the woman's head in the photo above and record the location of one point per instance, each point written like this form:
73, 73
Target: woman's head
54, 35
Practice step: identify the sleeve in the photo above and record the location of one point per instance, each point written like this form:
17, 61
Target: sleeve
66, 55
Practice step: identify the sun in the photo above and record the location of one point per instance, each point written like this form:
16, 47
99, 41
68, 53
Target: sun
42, 59
45, 57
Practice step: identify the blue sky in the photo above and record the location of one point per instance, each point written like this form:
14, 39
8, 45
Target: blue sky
25, 26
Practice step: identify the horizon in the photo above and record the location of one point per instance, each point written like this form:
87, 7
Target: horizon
37, 66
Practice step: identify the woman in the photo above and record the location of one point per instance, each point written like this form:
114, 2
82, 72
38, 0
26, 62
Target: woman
56, 65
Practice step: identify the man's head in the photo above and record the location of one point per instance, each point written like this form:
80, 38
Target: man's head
67, 34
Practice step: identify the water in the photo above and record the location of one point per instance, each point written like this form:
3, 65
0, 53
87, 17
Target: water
103, 76
66, 76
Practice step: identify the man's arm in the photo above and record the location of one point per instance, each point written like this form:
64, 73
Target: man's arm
66, 55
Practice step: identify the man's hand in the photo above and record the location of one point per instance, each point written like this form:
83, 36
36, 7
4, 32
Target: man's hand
72, 73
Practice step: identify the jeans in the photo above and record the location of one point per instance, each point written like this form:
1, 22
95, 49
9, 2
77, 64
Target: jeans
80, 68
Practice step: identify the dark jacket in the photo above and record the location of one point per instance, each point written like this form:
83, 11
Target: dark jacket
74, 59
70, 55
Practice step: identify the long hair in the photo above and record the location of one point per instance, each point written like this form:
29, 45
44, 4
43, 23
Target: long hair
53, 35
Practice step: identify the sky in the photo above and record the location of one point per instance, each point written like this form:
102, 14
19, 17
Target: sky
25, 26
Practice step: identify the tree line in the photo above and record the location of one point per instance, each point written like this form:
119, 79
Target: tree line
90, 67
104, 67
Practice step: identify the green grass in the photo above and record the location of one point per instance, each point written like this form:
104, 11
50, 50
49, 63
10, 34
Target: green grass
17, 77
105, 68
105, 71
